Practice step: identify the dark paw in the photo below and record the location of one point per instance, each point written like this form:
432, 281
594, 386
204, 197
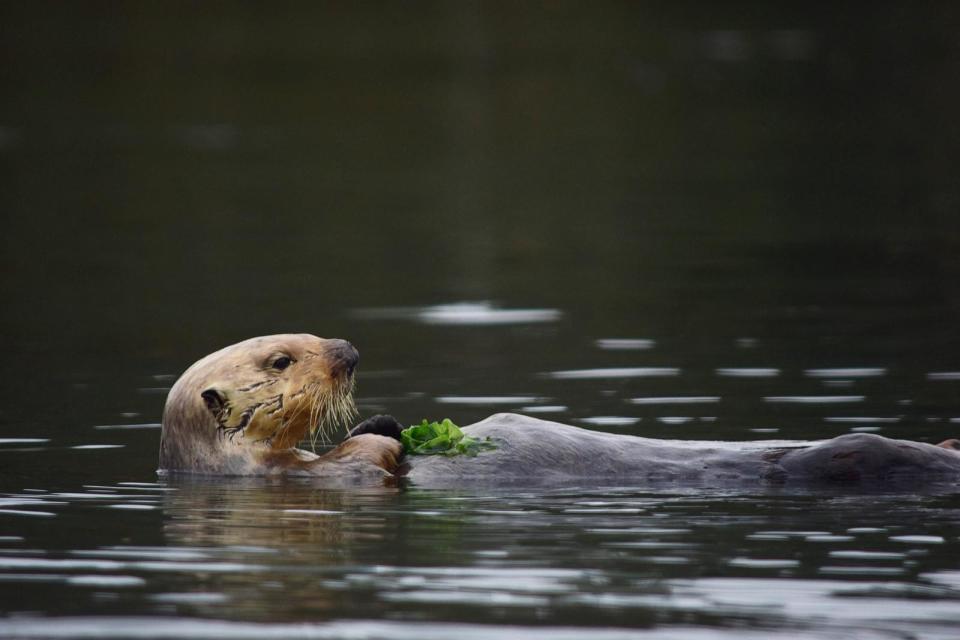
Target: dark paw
379, 425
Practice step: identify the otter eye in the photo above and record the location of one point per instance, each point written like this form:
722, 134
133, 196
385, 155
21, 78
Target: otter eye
281, 363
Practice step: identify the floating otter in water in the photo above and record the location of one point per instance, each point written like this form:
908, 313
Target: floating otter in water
243, 409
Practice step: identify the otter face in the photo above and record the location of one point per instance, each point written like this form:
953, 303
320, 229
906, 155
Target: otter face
275, 390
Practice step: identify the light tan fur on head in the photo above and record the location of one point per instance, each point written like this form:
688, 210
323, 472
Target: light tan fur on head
243, 409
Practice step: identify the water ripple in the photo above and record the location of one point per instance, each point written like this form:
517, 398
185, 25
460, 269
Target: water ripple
814, 399
127, 427
610, 421
754, 372
613, 372
491, 400
675, 400
461, 313
846, 372
625, 344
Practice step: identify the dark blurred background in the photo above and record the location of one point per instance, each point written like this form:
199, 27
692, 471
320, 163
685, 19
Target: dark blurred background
177, 176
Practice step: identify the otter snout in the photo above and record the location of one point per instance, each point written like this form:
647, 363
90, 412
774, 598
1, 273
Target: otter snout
343, 357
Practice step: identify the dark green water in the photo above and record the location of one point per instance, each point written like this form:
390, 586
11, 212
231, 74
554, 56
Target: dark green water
585, 212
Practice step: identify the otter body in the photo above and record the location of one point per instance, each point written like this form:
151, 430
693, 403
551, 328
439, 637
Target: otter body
243, 409
551, 453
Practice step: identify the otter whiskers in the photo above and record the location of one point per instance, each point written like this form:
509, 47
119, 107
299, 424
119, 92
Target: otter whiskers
330, 408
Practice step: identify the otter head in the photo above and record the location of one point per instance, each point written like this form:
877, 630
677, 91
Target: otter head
236, 406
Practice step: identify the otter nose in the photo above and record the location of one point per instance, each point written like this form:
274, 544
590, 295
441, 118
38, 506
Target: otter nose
343, 357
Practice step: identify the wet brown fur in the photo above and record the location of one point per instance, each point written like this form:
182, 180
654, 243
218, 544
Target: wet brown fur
260, 413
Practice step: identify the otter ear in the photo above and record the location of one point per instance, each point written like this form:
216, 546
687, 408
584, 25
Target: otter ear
213, 399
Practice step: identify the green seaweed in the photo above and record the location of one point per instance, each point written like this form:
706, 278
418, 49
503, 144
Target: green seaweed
441, 438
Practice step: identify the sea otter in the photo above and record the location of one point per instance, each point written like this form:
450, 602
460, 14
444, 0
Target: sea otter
243, 410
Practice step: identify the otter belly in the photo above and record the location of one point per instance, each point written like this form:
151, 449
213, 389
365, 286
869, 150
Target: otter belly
538, 451
532, 451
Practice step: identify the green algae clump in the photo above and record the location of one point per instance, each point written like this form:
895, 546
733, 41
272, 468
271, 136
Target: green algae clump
441, 438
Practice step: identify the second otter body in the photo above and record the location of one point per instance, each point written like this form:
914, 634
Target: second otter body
542, 452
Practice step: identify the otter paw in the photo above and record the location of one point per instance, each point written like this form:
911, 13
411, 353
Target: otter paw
366, 452
379, 425
952, 443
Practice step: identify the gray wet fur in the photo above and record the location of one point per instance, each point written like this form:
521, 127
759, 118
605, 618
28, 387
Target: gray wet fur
530, 449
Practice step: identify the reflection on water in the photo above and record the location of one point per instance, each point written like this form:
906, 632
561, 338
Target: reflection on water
615, 372
463, 313
233, 557
681, 221
279, 553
